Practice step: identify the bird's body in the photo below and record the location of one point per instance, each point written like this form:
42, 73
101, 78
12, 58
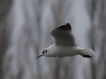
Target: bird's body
65, 44
66, 50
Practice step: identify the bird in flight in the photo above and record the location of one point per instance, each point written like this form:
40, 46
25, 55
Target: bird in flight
65, 44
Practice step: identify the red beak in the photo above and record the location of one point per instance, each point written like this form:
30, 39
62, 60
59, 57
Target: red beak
39, 56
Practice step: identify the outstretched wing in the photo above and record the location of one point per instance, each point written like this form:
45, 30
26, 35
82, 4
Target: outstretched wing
63, 35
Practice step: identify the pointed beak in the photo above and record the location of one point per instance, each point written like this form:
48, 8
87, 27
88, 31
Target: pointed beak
39, 56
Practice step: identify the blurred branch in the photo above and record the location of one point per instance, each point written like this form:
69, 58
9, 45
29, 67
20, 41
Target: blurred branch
98, 29
5, 6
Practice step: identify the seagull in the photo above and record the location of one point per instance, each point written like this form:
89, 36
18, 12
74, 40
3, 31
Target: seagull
65, 44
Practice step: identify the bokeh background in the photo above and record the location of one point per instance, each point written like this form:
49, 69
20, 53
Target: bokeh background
25, 27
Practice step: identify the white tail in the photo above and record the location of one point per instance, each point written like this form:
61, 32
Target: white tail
87, 52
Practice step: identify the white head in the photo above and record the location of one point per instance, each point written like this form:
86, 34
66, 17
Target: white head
47, 51
43, 53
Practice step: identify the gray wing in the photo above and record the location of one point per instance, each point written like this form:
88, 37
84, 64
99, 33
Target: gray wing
63, 35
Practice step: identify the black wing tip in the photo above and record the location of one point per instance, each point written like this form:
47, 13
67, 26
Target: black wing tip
68, 25
65, 27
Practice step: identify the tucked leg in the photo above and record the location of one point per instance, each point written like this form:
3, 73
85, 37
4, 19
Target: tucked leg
87, 56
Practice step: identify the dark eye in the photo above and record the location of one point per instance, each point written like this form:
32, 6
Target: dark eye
43, 52
46, 51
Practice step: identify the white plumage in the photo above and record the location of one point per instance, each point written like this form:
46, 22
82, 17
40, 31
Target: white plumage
65, 44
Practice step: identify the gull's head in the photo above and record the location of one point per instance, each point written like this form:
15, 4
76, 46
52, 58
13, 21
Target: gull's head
44, 53
47, 51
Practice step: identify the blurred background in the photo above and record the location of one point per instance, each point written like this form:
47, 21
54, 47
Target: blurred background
25, 27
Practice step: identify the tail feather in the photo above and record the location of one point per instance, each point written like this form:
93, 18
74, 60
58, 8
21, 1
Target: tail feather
89, 52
